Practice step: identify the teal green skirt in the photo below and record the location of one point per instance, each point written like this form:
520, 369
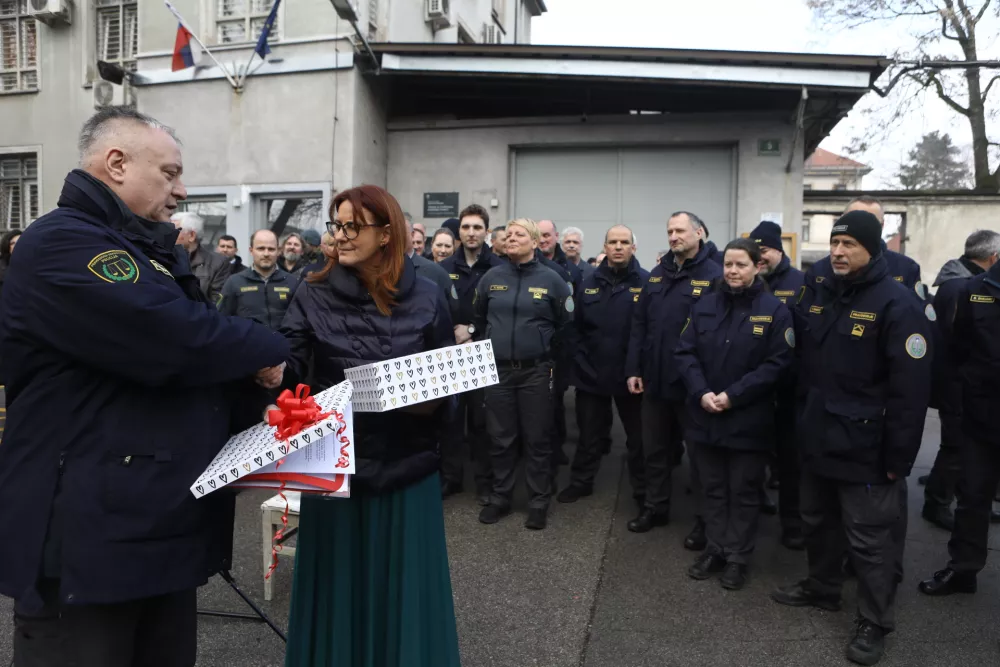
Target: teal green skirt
372, 586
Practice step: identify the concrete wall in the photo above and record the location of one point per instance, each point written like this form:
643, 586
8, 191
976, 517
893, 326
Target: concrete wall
370, 141
476, 160
936, 229
406, 21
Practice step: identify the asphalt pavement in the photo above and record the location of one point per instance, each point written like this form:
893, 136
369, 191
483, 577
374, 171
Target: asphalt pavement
587, 593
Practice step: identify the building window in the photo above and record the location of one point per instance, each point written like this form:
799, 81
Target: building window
213, 211
291, 213
805, 229
239, 21
840, 186
118, 32
18, 47
499, 11
18, 190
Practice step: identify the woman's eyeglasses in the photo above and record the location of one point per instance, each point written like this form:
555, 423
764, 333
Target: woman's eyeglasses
350, 229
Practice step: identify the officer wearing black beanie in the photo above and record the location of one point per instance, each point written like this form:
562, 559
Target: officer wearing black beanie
785, 282
864, 227
864, 383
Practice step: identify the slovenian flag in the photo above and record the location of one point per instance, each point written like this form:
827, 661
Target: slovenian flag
187, 52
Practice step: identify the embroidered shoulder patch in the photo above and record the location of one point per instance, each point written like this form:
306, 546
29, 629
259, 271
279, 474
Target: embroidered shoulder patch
784, 292
114, 266
570, 305
758, 330
930, 313
656, 279
982, 298
249, 288
916, 346
635, 290
761, 318
790, 336
701, 283
498, 288
815, 310
859, 315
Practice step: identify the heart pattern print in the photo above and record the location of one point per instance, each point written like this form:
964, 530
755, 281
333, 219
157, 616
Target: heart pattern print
417, 378
255, 448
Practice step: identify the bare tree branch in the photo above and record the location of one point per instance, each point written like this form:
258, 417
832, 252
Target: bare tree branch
982, 11
944, 29
884, 92
952, 17
989, 85
932, 77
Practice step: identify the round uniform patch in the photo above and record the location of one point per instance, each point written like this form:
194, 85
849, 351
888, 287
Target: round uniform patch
790, 336
454, 294
930, 313
570, 306
920, 290
916, 346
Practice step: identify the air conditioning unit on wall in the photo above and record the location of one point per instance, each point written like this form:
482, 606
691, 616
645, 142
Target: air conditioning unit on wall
107, 94
438, 13
52, 12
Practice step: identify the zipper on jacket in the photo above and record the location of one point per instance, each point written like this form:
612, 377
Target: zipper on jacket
513, 333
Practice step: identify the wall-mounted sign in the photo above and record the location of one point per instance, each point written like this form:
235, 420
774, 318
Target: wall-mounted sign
769, 147
440, 204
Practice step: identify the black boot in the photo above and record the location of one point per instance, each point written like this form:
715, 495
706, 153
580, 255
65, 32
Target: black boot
483, 494
799, 595
706, 565
942, 517
948, 582
449, 489
571, 494
868, 643
537, 518
647, 520
735, 576
696, 540
493, 513
792, 538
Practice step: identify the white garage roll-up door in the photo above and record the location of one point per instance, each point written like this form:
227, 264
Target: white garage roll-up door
596, 188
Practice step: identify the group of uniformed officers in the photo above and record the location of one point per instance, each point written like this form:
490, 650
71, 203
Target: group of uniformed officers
745, 362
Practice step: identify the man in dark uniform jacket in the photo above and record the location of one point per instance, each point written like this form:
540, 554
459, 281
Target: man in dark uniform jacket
123, 383
682, 276
785, 282
976, 350
465, 269
981, 250
604, 308
263, 291
864, 385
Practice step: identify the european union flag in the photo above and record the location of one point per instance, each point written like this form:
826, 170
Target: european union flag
263, 48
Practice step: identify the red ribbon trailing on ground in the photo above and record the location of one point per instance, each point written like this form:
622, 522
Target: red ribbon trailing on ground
295, 412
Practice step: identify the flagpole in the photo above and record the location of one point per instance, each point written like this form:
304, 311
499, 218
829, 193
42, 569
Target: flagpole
246, 71
204, 48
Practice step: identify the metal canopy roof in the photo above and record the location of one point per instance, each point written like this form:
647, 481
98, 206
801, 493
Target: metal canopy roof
458, 81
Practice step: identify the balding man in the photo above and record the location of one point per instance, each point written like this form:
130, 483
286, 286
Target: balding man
210, 268
123, 383
604, 308
262, 292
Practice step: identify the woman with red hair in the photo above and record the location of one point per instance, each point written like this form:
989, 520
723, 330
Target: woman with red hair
372, 586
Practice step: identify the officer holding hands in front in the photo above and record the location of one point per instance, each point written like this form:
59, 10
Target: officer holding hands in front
526, 309
864, 385
604, 307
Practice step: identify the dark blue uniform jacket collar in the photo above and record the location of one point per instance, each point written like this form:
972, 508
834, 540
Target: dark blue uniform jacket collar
781, 269
993, 275
484, 257
876, 270
346, 283
156, 240
670, 267
746, 294
607, 274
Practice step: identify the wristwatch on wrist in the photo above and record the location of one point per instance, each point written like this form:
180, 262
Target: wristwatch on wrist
472, 329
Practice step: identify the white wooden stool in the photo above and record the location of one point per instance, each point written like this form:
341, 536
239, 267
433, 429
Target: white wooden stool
271, 511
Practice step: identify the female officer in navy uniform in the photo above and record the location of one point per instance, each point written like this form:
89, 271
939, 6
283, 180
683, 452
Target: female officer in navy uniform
735, 347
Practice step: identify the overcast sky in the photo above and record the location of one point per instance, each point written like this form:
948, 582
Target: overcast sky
755, 25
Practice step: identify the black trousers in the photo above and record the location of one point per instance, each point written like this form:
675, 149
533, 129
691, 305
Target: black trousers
594, 419
867, 515
789, 466
153, 632
940, 489
976, 487
731, 480
521, 405
465, 437
662, 433
560, 383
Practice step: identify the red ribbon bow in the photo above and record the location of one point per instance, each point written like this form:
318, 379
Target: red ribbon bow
295, 412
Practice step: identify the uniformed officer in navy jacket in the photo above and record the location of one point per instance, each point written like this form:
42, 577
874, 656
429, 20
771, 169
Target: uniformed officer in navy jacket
976, 350
604, 305
785, 283
864, 384
733, 352
683, 276
123, 383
